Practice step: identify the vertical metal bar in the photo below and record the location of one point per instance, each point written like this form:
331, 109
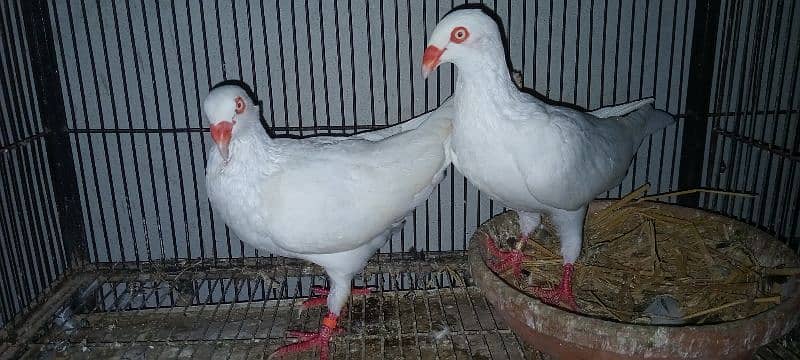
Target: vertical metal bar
756, 84
254, 72
755, 11
771, 80
168, 85
576, 83
143, 110
179, 159
25, 118
6, 274
561, 69
44, 66
616, 69
722, 204
312, 81
159, 127
24, 261
12, 248
725, 73
629, 80
200, 120
89, 226
101, 121
706, 18
44, 184
136, 255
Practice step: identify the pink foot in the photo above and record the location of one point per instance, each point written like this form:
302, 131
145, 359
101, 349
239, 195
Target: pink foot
505, 260
561, 294
310, 340
322, 296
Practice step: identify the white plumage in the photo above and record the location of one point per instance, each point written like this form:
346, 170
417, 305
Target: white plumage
333, 201
532, 156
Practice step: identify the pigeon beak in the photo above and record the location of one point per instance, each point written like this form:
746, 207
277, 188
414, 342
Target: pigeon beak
221, 133
430, 60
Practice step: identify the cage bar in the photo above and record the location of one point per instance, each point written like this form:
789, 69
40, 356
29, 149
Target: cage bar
103, 211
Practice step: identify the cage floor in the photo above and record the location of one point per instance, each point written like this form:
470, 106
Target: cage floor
454, 323
431, 311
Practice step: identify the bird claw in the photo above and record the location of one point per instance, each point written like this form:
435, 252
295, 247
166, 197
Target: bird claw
320, 295
562, 294
506, 260
556, 296
309, 340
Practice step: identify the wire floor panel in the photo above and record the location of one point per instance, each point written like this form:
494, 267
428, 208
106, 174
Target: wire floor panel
450, 323
429, 309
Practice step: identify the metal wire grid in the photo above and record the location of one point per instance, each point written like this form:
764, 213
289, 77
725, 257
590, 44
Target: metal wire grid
419, 309
31, 251
413, 313
140, 149
755, 136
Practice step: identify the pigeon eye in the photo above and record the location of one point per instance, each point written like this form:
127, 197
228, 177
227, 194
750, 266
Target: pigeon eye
239, 105
459, 34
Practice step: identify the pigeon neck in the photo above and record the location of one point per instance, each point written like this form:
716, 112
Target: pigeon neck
486, 78
250, 128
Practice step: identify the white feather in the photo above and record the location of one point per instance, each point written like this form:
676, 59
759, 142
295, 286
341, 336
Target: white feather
329, 200
532, 156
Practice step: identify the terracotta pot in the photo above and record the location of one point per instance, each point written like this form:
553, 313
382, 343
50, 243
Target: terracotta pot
568, 335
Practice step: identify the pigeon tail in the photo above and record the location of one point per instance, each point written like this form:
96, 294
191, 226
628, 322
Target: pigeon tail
648, 120
622, 109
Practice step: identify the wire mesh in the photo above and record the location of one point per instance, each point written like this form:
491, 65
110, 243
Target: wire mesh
31, 250
427, 309
754, 134
413, 312
134, 74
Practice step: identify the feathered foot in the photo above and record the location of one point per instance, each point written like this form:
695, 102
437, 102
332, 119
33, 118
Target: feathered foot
321, 296
309, 340
562, 294
505, 260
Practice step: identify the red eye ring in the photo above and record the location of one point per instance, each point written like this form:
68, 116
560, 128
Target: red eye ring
240, 106
459, 34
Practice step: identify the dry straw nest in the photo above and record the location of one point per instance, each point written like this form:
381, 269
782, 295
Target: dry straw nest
637, 251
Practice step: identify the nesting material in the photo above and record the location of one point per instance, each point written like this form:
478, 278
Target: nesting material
645, 262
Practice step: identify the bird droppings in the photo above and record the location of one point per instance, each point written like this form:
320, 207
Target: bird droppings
441, 333
645, 263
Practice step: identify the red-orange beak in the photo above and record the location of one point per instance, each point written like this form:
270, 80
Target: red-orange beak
430, 60
221, 133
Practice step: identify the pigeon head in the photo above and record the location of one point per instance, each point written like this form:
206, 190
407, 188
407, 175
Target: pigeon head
467, 38
228, 109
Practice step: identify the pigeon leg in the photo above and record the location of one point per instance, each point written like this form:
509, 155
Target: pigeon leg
505, 260
310, 340
562, 294
570, 228
321, 296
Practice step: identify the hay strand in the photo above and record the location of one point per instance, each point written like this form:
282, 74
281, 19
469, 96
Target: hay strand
771, 299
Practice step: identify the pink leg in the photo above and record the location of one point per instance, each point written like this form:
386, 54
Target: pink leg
506, 260
321, 296
309, 340
560, 294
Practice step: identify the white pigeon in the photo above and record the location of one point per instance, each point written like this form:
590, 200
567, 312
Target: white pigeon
332, 201
532, 156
